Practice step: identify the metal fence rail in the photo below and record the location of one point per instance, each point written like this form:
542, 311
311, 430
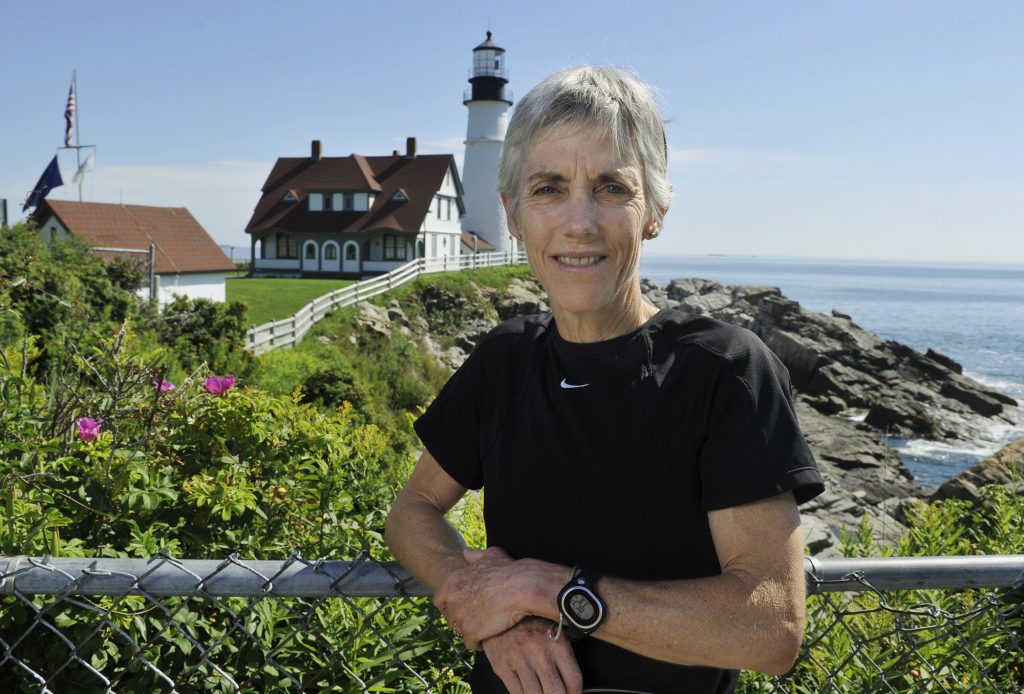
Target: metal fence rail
289, 331
164, 624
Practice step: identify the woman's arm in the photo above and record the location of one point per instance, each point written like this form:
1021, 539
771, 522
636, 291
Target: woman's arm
751, 616
431, 549
416, 530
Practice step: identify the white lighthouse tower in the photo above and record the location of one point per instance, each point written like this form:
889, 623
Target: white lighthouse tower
488, 102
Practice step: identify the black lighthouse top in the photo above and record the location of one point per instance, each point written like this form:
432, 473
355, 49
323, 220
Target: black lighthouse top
489, 75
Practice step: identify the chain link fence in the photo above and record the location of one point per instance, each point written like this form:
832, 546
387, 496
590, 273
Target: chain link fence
166, 624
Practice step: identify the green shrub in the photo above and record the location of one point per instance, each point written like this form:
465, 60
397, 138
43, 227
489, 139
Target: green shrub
60, 293
201, 331
885, 640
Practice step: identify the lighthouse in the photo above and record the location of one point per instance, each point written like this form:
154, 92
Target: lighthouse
488, 101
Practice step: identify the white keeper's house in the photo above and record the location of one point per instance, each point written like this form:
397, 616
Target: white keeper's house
350, 216
188, 262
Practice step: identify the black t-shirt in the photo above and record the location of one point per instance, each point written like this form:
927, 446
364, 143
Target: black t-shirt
609, 455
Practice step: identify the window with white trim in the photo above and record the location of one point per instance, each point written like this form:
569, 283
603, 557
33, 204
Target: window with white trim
394, 248
287, 247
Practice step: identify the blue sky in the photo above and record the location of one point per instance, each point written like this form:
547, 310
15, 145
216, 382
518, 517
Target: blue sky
849, 130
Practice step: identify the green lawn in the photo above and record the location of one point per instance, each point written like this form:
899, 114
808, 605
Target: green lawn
274, 298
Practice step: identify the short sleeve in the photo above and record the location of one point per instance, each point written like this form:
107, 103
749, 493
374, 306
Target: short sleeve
449, 429
754, 447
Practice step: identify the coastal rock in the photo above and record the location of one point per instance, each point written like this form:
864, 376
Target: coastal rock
944, 360
373, 318
836, 365
453, 324
520, 298
1005, 467
863, 479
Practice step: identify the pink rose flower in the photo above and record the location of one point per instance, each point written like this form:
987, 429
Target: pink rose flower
89, 428
215, 385
163, 386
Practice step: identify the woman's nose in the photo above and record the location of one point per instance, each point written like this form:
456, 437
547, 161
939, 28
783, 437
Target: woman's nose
580, 214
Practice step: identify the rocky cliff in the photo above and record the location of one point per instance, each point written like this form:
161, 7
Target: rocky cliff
854, 389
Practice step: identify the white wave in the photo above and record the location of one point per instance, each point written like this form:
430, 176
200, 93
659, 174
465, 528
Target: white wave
938, 450
991, 439
1000, 384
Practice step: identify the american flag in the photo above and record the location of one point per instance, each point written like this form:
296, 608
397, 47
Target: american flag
69, 116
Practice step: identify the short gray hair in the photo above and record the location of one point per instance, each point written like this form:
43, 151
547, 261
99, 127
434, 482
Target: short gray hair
617, 104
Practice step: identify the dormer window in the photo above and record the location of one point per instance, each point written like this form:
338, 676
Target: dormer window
399, 196
290, 197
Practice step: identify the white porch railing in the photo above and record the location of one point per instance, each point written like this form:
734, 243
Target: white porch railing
289, 331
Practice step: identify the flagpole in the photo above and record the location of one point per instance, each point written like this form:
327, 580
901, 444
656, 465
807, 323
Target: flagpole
78, 132
73, 140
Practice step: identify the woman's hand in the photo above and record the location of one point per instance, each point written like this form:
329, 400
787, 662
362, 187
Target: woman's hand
492, 592
479, 600
529, 662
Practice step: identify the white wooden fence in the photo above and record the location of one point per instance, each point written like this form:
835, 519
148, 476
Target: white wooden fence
287, 332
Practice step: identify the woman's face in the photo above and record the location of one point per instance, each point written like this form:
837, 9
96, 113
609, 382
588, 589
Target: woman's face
582, 216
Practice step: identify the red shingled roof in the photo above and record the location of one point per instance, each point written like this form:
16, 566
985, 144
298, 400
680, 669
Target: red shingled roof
479, 244
182, 245
419, 178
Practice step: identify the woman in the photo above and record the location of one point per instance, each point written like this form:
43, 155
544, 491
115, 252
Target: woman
641, 467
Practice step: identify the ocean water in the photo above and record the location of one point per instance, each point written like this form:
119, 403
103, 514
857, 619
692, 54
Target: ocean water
971, 313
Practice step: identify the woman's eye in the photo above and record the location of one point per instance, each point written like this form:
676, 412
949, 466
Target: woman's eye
615, 190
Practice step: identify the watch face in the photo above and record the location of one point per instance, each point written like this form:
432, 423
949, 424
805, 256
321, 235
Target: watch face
582, 607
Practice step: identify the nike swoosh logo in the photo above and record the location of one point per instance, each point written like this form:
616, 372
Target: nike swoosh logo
566, 384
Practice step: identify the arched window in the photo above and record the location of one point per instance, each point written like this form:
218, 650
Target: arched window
331, 252
310, 252
350, 252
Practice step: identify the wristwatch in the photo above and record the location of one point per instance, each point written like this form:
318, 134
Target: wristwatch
581, 607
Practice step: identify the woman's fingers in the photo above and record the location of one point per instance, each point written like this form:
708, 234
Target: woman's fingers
528, 661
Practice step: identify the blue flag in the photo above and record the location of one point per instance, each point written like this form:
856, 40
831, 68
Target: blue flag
47, 182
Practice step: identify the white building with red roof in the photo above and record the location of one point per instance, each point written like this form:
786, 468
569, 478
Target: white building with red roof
187, 260
349, 216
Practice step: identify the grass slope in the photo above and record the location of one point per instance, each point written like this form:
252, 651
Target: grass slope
274, 298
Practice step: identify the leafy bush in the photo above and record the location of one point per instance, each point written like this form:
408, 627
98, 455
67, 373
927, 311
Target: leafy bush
198, 475
58, 293
912, 641
201, 331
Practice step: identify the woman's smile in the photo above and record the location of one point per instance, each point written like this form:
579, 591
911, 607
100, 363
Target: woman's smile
579, 261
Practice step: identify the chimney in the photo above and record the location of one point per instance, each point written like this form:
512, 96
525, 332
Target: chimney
317, 151
395, 153
410, 147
